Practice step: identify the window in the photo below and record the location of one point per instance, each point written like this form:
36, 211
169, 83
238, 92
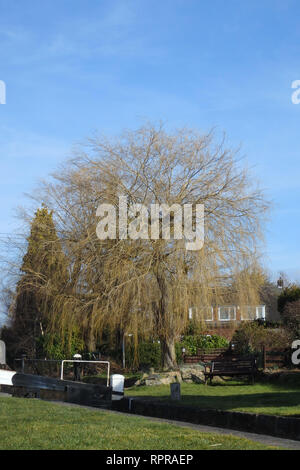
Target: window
253, 312
202, 313
261, 312
207, 313
191, 311
227, 313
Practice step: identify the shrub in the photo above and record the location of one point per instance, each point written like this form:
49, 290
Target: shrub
250, 337
193, 343
148, 355
56, 347
178, 349
288, 295
291, 318
194, 328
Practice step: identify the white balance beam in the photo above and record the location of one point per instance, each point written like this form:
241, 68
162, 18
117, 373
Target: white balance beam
6, 377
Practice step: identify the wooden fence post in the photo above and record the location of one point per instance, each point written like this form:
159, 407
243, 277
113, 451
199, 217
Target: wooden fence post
264, 358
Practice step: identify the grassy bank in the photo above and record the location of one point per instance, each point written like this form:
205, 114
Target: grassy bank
33, 424
236, 396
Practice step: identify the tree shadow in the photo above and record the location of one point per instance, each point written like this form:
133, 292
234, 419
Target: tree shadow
274, 399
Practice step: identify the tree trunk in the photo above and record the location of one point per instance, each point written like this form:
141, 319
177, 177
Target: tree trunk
164, 319
91, 340
168, 354
91, 343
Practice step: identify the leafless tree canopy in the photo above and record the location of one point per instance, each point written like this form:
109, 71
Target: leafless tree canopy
146, 286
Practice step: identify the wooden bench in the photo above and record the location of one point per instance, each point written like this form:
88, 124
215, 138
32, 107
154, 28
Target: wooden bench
230, 368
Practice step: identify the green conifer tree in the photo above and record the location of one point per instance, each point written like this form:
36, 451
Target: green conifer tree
44, 275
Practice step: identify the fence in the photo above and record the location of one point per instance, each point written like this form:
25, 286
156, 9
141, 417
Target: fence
275, 358
49, 367
268, 358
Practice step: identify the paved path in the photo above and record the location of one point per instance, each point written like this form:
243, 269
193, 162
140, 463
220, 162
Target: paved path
263, 439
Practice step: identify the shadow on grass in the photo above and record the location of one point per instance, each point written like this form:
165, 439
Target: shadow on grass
231, 402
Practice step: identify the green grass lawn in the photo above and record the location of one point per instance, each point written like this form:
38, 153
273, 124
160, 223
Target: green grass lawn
33, 424
238, 396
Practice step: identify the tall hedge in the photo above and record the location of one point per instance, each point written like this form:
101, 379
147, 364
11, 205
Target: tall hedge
288, 295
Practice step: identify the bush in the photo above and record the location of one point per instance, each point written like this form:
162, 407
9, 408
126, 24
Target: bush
250, 337
56, 347
178, 350
148, 355
288, 295
193, 343
291, 318
194, 328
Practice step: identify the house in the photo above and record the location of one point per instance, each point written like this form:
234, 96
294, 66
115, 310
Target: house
223, 320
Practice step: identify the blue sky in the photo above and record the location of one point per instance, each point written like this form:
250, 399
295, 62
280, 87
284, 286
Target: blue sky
75, 66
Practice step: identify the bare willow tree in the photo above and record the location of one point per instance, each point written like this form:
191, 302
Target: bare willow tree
145, 286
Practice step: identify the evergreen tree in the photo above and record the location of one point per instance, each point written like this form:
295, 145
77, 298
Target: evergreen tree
288, 295
44, 275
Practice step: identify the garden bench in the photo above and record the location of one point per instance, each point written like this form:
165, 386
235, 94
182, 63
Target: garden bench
230, 368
